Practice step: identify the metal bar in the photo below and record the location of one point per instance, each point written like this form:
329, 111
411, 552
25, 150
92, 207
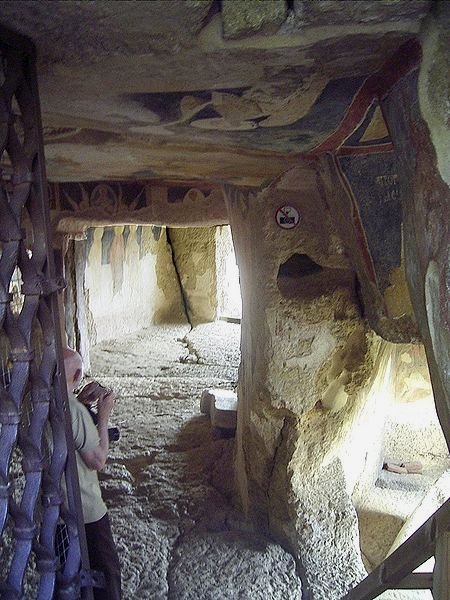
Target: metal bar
72, 482
441, 578
418, 548
16, 40
34, 414
416, 581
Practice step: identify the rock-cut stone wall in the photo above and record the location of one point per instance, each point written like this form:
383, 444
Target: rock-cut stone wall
309, 363
123, 278
416, 110
194, 251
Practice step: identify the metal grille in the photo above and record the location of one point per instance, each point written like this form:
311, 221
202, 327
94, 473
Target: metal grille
36, 445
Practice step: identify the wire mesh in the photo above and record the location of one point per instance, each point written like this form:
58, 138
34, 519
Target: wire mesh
37, 560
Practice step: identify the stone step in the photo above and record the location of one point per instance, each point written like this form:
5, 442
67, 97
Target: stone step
221, 406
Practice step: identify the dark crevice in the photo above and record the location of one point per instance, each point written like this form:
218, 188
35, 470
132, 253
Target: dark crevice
183, 294
290, 5
193, 356
172, 562
301, 277
299, 265
214, 9
70, 298
359, 297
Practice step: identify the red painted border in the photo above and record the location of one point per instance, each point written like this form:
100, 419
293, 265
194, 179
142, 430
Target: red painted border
374, 87
375, 149
357, 225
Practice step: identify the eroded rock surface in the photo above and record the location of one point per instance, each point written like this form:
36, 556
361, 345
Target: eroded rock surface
169, 485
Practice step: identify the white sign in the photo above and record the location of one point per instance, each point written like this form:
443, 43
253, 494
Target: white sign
287, 217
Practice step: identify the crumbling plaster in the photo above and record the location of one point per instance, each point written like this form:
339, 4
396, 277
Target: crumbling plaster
389, 311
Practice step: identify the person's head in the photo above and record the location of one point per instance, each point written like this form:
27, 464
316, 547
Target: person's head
73, 366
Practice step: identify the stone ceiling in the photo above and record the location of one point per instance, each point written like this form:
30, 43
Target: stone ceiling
200, 89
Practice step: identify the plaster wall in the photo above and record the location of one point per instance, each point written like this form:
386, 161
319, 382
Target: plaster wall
398, 420
398, 424
309, 364
130, 281
362, 452
413, 431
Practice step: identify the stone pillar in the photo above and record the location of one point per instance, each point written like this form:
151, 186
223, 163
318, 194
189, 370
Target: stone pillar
416, 111
75, 308
70, 263
307, 359
59, 242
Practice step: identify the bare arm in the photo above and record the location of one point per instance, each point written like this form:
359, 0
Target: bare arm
96, 459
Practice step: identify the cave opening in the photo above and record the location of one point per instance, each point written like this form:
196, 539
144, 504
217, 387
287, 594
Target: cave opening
406, 473
124, 278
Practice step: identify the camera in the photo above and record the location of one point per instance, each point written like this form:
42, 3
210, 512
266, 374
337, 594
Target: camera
113, 432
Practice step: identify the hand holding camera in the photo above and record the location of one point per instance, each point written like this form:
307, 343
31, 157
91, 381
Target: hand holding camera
99, 400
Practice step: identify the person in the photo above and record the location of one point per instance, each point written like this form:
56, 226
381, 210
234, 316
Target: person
92, 446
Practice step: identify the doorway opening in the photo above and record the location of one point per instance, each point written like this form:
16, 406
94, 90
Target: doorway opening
407, 469
122, 279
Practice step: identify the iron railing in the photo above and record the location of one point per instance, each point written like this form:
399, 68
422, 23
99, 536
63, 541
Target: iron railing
36, 444
396, 572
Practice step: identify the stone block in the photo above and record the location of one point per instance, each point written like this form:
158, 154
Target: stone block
241, 18
221, 405
205, 402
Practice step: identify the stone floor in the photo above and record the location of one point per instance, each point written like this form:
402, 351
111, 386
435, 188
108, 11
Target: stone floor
412, 433
168, 484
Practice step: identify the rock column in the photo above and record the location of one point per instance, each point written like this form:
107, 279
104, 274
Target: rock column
307, 364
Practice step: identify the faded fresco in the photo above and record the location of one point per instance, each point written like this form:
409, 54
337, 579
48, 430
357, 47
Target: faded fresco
108, 198
284, 114
367, 163
374, 184
144, 202
291, 112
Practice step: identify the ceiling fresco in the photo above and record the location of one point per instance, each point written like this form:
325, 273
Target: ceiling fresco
281, 115
186, 90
